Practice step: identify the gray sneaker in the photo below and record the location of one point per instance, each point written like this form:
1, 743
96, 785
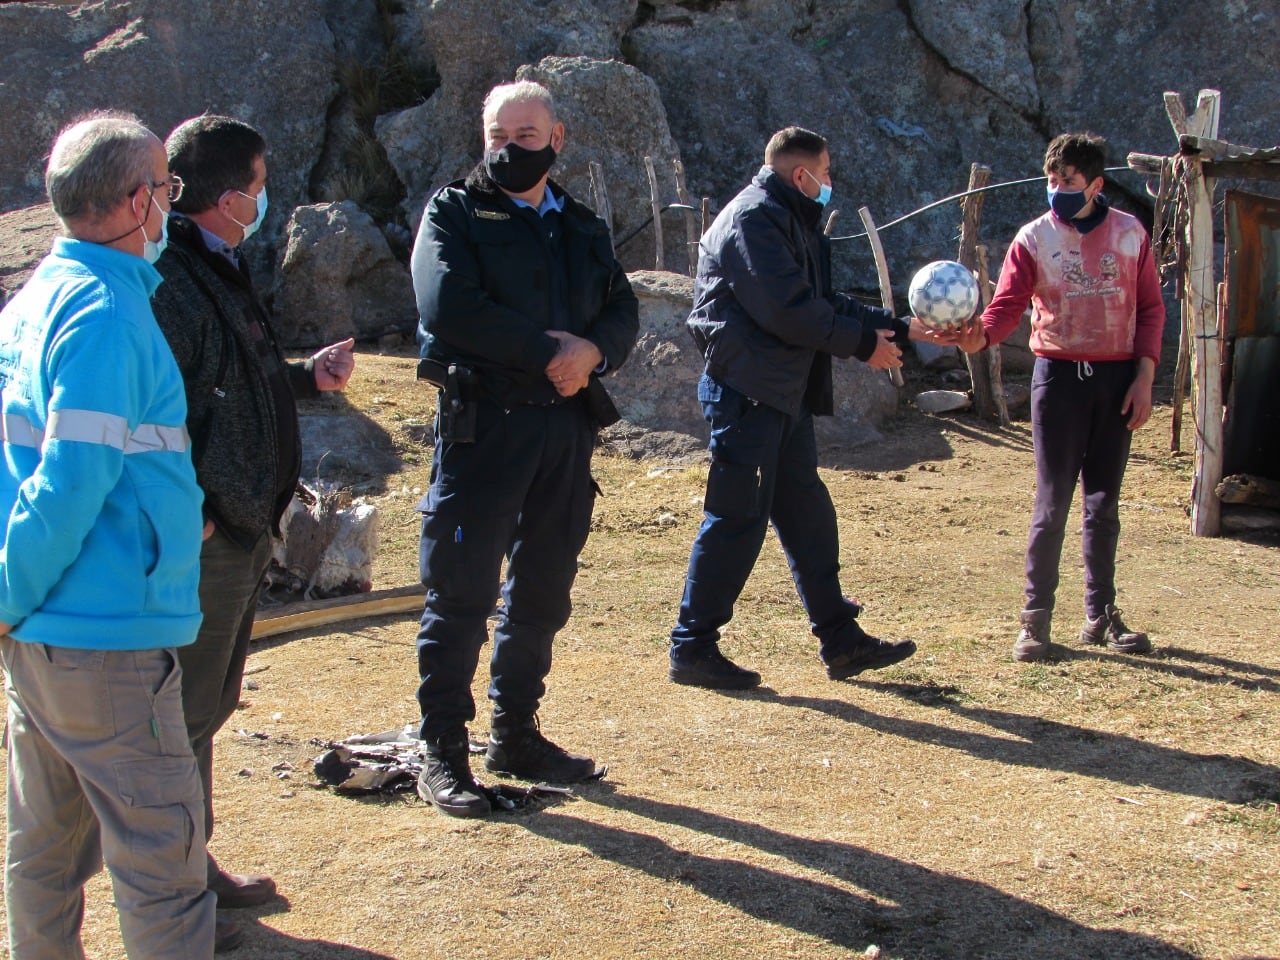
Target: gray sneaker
1110, 629
1033, 643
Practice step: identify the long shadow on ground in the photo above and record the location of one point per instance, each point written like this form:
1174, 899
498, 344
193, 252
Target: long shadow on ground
904, 908
1043, 744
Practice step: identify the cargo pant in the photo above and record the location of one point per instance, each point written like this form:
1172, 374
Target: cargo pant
100, 769
764, 469
523, 490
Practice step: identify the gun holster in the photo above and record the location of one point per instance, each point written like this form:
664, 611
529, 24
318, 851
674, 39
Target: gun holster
456, 409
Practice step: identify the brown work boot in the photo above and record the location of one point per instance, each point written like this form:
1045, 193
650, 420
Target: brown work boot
236, 891
1110, 629
1033, 644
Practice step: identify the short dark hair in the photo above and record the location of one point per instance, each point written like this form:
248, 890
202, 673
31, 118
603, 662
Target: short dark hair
1087, 152
793, 143
212, 154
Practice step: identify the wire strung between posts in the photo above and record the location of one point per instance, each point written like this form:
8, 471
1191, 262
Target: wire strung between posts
649, 220
954, 197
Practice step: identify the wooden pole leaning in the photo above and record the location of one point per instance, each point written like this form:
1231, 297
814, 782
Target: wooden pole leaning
980, 366
882, 273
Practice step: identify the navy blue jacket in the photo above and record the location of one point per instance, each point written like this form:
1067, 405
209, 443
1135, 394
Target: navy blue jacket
483, 274
764, 314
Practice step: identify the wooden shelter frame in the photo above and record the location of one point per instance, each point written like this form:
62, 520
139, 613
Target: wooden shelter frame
1183, 240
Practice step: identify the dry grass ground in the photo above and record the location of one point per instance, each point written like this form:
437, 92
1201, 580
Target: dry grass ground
956, 806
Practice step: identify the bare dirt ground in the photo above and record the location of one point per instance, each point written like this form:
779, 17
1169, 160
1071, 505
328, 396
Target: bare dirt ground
958, 805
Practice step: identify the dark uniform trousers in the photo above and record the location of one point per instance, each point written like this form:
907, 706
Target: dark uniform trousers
764, 467
1079, 433
523, 491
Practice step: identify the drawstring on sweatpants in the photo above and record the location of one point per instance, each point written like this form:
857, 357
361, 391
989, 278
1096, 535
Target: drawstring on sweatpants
1084, 369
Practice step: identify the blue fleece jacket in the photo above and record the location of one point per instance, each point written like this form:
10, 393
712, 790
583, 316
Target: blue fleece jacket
102, 520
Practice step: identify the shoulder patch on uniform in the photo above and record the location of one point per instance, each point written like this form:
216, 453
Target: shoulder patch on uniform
492, 215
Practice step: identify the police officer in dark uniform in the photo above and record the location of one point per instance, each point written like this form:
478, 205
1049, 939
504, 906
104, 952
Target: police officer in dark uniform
523, 308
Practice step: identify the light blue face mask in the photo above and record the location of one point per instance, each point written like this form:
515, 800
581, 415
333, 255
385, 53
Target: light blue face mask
824, 190
151, 249
252, 227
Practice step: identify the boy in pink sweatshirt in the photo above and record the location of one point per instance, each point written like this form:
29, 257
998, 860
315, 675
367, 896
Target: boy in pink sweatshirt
1096, 322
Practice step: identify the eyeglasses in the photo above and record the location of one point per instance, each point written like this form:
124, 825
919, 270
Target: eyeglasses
174, 184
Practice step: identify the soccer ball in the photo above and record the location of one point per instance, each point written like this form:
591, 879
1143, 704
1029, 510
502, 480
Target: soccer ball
943, 294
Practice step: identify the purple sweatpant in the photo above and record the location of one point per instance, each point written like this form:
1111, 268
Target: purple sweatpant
1079, 432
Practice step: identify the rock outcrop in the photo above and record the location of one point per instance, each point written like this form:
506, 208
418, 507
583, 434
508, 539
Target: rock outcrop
381, 102
338, 279
269, 64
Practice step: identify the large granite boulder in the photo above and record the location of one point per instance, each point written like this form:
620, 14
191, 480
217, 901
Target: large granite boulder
911, 94
903, 128
425, 145
440, 140
269, 64
591, 97
337, 278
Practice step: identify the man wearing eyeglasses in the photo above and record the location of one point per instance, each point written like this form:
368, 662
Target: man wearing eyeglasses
242, 418
99, 568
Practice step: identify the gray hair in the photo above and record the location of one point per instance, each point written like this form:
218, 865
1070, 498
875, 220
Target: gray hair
96, 160
522, 91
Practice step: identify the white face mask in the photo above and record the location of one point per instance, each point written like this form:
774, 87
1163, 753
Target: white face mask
151, 249
251, 227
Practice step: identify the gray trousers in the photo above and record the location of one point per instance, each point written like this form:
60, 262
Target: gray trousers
100, 769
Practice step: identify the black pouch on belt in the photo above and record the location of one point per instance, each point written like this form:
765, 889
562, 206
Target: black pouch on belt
456, 411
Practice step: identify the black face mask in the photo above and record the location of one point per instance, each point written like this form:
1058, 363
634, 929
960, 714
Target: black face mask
517, 169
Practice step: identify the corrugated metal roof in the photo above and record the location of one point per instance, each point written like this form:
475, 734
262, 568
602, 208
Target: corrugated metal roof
1220, 151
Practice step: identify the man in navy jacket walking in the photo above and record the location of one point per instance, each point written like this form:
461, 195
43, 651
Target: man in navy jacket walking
768, 324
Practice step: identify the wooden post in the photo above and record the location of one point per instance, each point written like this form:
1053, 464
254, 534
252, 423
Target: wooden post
1180, 388
600, 195
994, 360
882, 270
690, 226
706, 215
656, 204
1200, 312
980, 367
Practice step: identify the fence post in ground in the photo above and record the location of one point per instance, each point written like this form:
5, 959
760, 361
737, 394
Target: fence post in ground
656, 203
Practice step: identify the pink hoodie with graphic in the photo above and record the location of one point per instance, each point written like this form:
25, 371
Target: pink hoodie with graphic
1094, 296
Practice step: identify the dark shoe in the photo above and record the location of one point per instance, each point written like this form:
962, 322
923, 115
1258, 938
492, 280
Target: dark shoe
1033, 643
517, 748
238, 890
446, 782
1110, 629
226, 934
713, 670
868, 653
